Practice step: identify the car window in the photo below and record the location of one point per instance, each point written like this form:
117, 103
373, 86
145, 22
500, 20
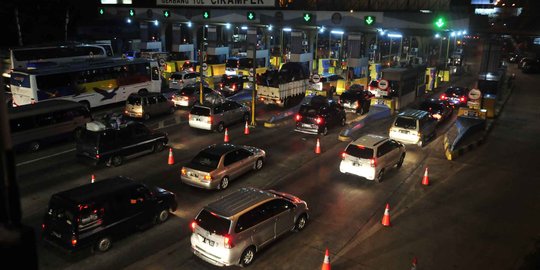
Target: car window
384, 148
140, 131
231, 158
152, 100
243, 154
359, 151
213, 223
251, 218
161, 99
176, 76
206, 159
277, 206
405, 122
134, 100
198, 110
218, 109
190, 76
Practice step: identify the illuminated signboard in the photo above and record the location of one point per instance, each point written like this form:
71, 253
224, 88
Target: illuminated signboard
217, 3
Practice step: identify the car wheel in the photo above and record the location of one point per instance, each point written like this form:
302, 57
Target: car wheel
104, 244
301, 222
343, 121
247, 257
379, 177
162, 216
259, 164
324, 131
400, 162
115, 161
224, 183
146, 116
159, 146
220, 127
34, 146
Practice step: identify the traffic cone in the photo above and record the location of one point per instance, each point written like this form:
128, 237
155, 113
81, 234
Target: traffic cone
318, 147
425, 179
246, 129
226, 138
386, 218
326, 262
414, 262
93, 178
171, 158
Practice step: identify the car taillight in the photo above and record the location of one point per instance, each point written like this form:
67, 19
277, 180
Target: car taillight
343, 155
73, 240
189, 116
462, 99
43, 226
319, 120
228, 241
356, 104
443, 97
183, 170
97, 156
373, 162
209, 120
173, 96
193, 224
208, 177
220, 85
297, 117
234, 87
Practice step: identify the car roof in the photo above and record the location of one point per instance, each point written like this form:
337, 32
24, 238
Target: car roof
412, 113
85, 193
221, 148
239, 201
42, 107
370, 140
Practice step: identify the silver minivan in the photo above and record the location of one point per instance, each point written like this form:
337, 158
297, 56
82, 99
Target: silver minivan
231, 230
217, 115
146, 105
413, 127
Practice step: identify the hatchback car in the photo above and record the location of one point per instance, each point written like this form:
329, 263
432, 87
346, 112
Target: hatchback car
217, 115
437, 108
190, 95
457, 95
233, 229
356, 99
179, 80
318, 115
214, 166
146, 105
371, 155
231, 84
413, 127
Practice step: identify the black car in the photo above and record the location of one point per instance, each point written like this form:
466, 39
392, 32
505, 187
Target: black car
97, 214
99, 143
531, 65
437, 109
231, 84
456, 95
319, 114
356, 99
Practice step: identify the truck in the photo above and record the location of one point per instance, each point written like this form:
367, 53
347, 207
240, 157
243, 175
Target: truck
284, 86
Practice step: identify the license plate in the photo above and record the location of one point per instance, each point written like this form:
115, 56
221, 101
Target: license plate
306, 125
404, 131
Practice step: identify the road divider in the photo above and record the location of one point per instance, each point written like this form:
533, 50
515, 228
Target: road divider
376, 112
279, 118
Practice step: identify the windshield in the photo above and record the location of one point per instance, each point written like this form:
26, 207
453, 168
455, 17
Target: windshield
197, 110
308, 110
428, 107
188, 91
405, 122
232, 63
213, 223
206, 159
132, 100
58, 211
359, 151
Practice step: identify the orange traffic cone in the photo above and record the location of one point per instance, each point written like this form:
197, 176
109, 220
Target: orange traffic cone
414, 262
93, 178
246, 129
326, 262
425, 179
226, 138
318, 147
171, 158
386, 218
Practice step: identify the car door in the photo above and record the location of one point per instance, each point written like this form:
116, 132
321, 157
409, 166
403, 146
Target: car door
141, 141
262, 227
232, 164
246, 159
162, 105
229, 114
282, 212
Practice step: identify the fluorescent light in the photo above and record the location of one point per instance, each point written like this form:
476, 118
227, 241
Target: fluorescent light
395, 35
156, 22
321, 30
437, 35
270, 27
189, 24
337, 32
244, 27
287, 29
128, 20
425, 11
228, 25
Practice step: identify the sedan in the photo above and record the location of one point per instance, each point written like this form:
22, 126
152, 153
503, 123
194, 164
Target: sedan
437, 109
190, 95
456, 95
214, 166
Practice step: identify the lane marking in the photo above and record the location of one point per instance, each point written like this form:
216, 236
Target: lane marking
41, 158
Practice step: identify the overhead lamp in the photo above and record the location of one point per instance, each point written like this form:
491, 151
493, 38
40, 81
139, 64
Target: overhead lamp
287, 29
337, 32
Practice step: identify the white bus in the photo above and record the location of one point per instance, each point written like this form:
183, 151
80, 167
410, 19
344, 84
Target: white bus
43, 56
94, 83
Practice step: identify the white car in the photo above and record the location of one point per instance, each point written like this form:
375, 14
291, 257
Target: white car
371, 155
183, 78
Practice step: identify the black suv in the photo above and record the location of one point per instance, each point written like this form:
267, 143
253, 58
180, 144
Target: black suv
99, 143
96, 214
318, 114
356, 99
231, 84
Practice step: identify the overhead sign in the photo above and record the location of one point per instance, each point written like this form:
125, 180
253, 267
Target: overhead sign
316, 78
475, 94
383, 84
217, 3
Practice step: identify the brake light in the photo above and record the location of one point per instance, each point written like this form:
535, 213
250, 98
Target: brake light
227, 241
183, 171
373, 162
343, 155
73, 240
220, 85
462, 99
319, 120
443, 97
43, 226
209, 120
97, 156
298, 117
234, 87
356, 104
193, 224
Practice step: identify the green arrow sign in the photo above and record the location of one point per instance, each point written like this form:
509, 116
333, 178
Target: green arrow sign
251, 16
369, 20
206, 14
101, 11
166, 13
440, 23
307, 17
131, 12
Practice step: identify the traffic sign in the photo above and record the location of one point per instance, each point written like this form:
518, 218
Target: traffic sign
383, 84
369, 20
316, 78
251, 15
204, 66
307, 17
475, 94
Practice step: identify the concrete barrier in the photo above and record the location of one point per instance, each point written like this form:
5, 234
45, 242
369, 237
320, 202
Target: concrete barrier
453, 153
279, 118
376, 112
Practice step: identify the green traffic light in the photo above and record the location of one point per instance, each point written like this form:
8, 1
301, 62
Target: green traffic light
307, 17
101, 11
166, 13
131, 12
369, 20
206, 14
440, 22
251, 16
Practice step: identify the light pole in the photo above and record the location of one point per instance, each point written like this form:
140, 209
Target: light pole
448, 49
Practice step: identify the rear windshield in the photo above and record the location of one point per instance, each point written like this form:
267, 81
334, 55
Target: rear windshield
405, 122
133, 100
197, 110
308, 110
59, 212
188, 91
428, 107
176, 76
359, 151
206, 159
213, 223
229, 79
231, 63
456, 91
